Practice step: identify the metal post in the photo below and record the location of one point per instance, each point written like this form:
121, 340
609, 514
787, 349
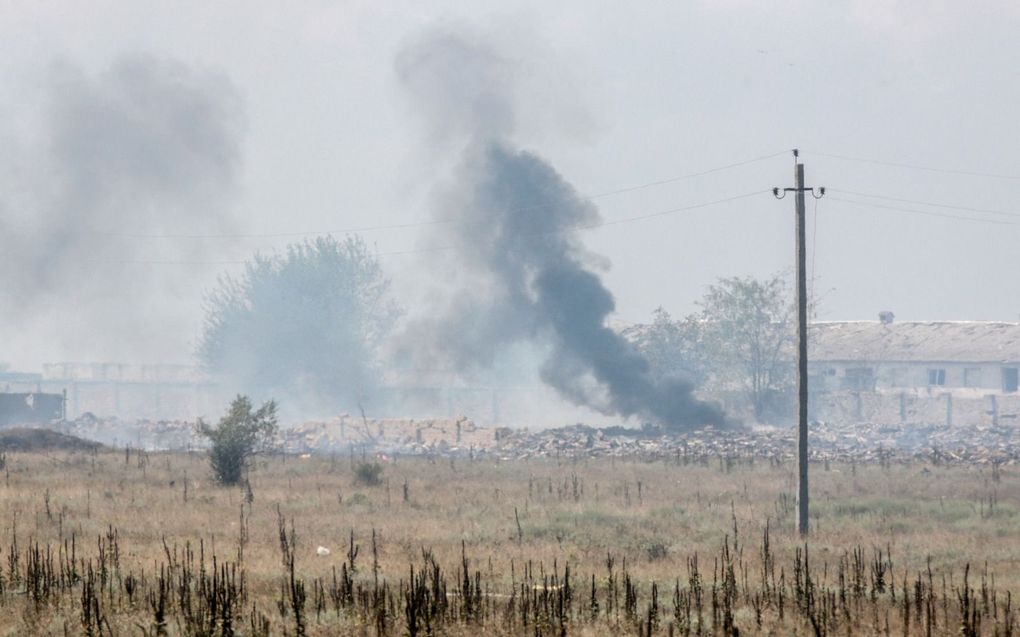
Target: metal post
802, 336
802, 358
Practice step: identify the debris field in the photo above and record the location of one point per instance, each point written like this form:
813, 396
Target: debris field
863, 443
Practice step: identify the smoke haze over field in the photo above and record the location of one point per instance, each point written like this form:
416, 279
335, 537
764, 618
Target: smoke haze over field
147, 146
511, 223
134, 117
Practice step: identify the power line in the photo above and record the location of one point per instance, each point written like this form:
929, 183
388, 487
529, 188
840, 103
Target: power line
271, 235
415, 224
1003, 213
948, 171
928, 213
600, 224
684, 177
660, 213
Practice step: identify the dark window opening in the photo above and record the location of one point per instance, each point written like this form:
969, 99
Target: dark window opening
859, 379
936, 377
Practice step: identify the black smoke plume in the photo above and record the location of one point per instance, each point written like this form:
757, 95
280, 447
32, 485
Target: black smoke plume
522, 273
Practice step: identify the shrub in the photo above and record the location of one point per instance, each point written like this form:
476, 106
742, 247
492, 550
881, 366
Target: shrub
368, 473
239, 435
359, 499
656, 551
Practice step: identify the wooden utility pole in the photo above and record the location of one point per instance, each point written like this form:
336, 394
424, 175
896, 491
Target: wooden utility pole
802, 337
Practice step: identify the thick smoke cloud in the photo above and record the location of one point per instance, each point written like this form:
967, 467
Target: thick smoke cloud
522, 273
148, 146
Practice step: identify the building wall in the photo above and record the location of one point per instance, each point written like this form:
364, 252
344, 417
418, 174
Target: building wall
852, 376
30, 407
132, 400
125, 372
916, 407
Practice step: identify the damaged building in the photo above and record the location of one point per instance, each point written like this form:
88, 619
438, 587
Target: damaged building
20, 408
118, 389
924, 372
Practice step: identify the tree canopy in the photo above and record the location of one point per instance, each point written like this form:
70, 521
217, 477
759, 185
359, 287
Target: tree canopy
749, 334
673, 347
305, 324
741, 341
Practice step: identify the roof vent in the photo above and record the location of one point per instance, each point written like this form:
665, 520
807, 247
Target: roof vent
886, 317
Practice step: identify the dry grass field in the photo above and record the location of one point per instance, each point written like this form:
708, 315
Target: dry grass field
128, 543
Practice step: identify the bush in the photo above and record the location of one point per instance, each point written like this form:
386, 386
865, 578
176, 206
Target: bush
656, 551
239, 435
368, 473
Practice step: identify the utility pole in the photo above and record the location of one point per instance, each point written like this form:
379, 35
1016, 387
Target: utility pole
802, 336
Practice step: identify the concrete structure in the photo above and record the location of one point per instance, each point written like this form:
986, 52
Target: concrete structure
933, 372
152, 392
888, 356
30, 408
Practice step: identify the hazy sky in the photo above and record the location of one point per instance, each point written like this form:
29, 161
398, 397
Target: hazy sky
302, 127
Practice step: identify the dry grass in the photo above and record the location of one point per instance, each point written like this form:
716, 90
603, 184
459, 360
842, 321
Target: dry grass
513, 526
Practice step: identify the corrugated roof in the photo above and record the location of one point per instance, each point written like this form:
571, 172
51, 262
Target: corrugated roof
915, 341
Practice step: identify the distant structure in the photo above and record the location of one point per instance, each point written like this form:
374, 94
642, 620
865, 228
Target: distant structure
930, 372
123, 372
155, 392
30, 408
937, 355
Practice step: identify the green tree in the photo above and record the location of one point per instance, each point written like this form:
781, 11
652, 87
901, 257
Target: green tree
238, 436
307, 324
673, 348
748, 333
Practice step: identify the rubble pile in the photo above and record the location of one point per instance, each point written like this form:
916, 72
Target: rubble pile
403, 435
972, 444
862, 443
436, 435
141, 434
867, 443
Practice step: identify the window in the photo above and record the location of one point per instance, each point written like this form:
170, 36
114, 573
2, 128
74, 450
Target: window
859, 379
972, 377
1009, 379
936, 377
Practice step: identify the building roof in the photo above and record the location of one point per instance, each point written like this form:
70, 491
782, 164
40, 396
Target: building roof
915, 341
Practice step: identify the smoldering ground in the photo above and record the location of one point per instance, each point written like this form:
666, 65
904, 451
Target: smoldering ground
112, 160
511, 224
